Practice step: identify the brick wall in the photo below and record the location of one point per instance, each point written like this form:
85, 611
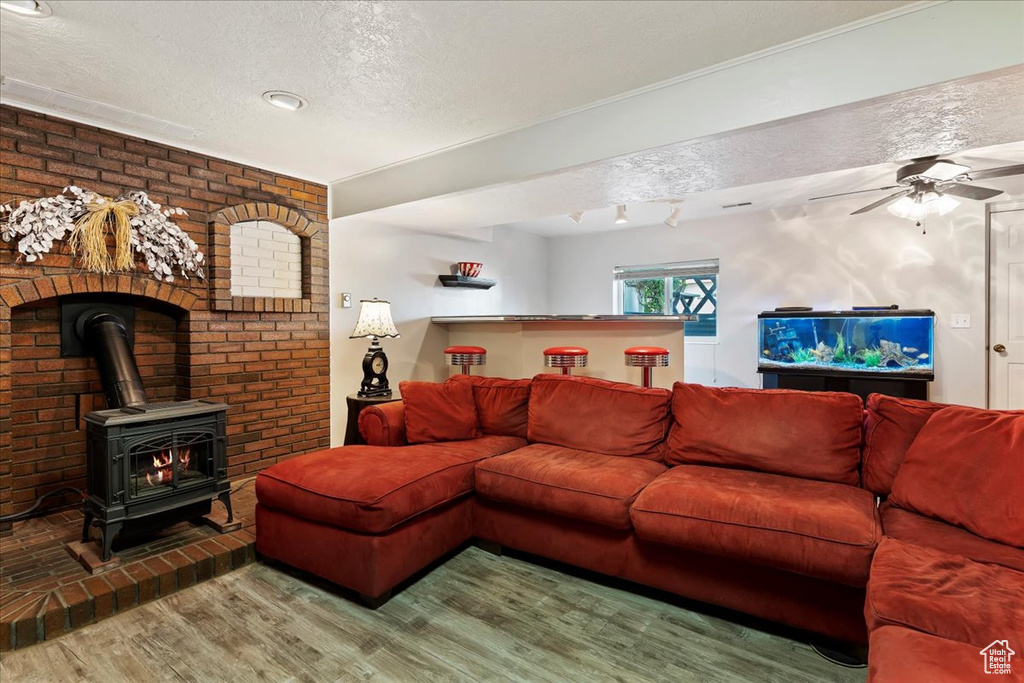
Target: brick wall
266, 358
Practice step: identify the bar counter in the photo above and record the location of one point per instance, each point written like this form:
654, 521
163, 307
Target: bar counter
515, 343
588, 318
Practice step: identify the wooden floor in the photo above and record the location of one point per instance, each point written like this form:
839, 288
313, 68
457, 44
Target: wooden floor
477, 617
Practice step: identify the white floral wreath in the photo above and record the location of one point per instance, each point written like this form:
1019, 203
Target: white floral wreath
147, 231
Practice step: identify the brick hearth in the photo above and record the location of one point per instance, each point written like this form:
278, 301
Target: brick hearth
45, 592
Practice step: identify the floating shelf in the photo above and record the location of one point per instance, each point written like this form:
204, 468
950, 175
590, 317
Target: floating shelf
467, 282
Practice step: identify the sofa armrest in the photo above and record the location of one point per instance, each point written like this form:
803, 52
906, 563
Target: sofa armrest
383, 424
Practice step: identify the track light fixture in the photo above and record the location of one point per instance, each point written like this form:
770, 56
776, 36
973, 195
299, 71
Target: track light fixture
673, 218
620, 215
576, 216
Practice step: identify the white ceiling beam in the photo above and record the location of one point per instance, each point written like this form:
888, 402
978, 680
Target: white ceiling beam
933, 44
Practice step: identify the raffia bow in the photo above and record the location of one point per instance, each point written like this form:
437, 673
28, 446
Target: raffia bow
88, 239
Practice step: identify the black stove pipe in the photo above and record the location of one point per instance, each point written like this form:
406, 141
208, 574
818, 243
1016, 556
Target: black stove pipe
107, 337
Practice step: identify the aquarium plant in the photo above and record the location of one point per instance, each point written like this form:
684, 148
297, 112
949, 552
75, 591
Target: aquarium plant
872, 357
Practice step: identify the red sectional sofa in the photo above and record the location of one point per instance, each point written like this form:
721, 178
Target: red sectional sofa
761, 501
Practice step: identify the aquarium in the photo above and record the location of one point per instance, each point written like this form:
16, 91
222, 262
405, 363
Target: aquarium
889, 343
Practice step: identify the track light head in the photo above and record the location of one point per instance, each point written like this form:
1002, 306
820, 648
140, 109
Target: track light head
673, 218
576, 217
620, 215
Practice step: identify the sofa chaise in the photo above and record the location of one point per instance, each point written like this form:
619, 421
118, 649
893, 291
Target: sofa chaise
762, 501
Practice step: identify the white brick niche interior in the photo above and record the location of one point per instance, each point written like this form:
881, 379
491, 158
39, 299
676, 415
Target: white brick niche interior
266, 261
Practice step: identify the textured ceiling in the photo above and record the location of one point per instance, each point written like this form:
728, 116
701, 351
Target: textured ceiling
386, 81
780, 195
943, 119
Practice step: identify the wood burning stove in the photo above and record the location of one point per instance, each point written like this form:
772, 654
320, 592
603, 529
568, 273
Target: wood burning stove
147, 464
153, 465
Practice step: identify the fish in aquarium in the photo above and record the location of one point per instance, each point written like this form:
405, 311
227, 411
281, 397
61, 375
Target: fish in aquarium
889, 342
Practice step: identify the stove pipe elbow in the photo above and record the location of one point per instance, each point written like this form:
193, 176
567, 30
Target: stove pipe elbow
106, 336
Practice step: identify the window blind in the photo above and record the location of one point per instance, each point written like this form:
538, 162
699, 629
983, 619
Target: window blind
660, 270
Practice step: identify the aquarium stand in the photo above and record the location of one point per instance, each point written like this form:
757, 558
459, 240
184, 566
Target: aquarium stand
861, 386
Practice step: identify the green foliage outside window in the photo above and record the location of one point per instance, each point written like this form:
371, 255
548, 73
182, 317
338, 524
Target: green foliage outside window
650, 294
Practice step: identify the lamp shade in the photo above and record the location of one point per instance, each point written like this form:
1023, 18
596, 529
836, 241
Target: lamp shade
374, 320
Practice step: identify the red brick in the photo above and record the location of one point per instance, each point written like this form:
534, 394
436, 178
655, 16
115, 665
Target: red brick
79, 604
103, 596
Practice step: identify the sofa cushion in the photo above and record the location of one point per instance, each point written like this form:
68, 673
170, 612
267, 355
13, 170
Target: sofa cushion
943, 594
815, 528
439, 412
579, 484
911, 527
599, 416
891, 426
900, 655
502, 404
813, 435
371, 489
966, 467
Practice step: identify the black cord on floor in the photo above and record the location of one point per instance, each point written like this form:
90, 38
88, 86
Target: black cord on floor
25, 514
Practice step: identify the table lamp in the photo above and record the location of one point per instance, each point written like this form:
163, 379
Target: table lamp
374, 321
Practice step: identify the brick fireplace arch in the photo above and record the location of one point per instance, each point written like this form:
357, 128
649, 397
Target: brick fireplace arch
40, 289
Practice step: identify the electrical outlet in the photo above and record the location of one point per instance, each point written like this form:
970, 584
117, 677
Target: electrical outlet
346, 300
961, 321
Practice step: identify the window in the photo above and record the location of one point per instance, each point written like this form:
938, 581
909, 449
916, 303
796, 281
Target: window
674, 289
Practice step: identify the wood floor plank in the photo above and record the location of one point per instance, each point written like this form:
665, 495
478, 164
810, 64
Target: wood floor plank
478, 617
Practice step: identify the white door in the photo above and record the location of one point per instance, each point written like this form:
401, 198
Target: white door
1006, 309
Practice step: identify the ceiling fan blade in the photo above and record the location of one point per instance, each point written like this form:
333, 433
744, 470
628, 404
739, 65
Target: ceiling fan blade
843, 194
882, 202
1000, 172
970, 191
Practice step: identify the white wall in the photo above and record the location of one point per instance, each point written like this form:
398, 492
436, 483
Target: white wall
818, 256
402, 266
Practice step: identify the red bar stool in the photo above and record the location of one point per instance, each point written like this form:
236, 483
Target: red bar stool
648, 358
566, 357
466, 356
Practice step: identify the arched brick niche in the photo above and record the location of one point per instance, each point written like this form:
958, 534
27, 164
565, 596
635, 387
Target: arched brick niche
43, 396
313, 258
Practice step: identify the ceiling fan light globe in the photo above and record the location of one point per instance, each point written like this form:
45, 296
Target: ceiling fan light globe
941, 205
909, 208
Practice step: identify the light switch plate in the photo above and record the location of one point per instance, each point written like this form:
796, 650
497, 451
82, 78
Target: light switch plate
346, 300
960, 321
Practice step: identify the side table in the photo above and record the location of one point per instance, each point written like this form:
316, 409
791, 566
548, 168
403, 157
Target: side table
356, 403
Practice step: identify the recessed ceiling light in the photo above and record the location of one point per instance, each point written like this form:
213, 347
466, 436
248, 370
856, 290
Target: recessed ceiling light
284, 100
35, 9
620, 215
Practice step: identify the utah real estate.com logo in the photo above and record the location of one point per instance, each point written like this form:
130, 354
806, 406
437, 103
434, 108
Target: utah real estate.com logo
997, 657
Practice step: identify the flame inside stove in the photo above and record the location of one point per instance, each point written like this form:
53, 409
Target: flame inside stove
163, 466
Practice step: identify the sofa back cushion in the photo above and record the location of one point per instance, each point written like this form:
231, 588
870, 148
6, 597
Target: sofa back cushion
813, 435
597, 415
502, 404
966, 467
891, 426
439, 412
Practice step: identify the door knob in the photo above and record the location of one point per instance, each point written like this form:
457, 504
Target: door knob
999, 348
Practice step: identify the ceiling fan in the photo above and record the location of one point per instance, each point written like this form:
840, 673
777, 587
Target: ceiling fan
928, 184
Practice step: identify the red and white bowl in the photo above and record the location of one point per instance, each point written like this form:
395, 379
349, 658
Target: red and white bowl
469, 268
